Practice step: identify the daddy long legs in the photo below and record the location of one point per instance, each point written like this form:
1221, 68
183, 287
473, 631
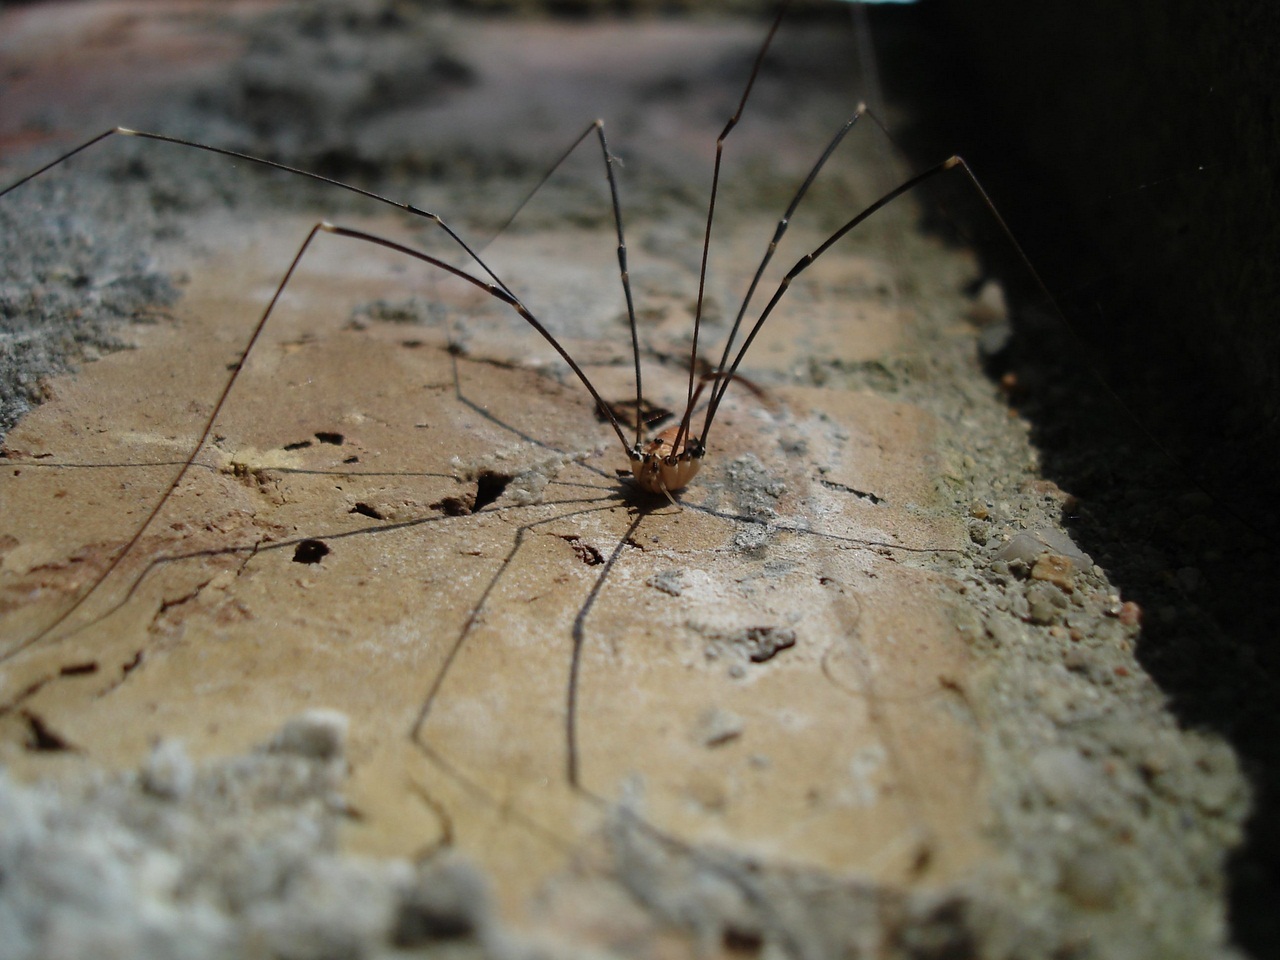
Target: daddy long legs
515, 638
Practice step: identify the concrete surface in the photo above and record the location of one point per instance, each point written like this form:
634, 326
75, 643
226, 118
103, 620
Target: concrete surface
858, 694
1135, 151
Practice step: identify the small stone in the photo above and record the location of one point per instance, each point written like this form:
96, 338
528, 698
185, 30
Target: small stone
751, 538
989, 305
1076, 660
993, 341
1091, 880
168, 772
764, 643
1044, 604
1130, 614
318, 734
1056, 569
670, 582
1003, 632
448, 901
717, 726
1064, 778
1029, 545
757, 644
1011, 386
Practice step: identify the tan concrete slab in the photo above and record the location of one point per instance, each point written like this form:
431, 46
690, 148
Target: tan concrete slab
813, 705
450, 640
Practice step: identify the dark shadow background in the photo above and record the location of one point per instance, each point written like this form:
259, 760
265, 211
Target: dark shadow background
1134, 148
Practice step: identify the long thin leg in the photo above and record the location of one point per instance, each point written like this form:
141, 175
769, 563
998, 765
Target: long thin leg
579, 639
597, 127
272, 164
623, 272
778, 233
721, 372
711, 214
951, 163
205, 431
496, 290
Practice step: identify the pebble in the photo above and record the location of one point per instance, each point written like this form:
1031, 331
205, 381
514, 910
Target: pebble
1044, 603
319, 734
1091, 880
1076, 660
764, 643
670, 582
717, 726
1064, 777
447, 901
994, 341
1056, 569
168, 771
1004, 633
1029, 545
989, 306
1130, 614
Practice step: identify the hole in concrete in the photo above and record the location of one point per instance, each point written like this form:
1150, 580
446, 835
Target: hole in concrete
739, 942
585, 551
40, 737
310, 551
79, 669
420, 921
765, 643
489, 487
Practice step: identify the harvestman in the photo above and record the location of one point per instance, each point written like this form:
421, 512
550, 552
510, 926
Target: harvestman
662, 465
